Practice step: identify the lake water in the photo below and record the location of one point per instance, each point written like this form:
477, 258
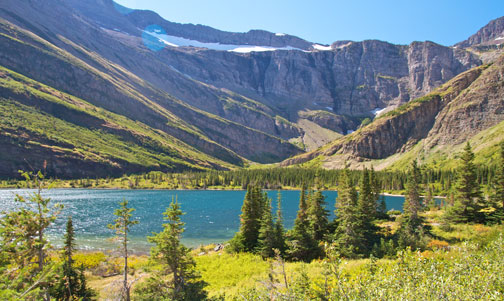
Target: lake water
210, 216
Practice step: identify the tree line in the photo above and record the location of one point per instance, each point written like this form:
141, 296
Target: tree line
440, 180
26, 272
354, 232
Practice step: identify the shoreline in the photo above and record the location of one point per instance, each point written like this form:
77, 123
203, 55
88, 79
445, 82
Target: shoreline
185, 189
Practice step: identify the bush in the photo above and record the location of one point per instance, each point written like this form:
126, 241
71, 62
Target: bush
438, 245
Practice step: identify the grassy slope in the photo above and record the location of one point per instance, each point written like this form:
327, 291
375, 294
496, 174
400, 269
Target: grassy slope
138, 98
228, 276
96, 134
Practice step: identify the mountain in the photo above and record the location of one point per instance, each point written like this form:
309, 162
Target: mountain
432, 128
231, 98
490, 34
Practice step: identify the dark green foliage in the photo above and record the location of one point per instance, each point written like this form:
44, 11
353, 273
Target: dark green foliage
317, 215
246, 240
386, 248
301, 245
177, 279
367, 197
376, 188
411, 225
349, 240
468, 197
429, 201
279, 227
367, 211
495, 211
72, 282
267, 234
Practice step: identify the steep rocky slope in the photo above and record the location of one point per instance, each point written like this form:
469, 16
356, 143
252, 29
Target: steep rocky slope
490, 34
428, 128
352, 78
235, 97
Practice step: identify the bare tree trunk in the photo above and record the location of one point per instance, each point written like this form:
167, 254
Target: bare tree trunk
126, 288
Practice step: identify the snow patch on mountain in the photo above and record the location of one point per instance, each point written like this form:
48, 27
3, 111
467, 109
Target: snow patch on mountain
378, 111
174, 41
321, 47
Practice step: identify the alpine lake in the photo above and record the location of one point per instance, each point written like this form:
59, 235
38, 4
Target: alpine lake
211, 216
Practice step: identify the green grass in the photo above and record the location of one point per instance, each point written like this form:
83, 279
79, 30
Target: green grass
113, 138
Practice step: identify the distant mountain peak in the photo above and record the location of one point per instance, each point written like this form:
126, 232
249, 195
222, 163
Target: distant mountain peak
490, 34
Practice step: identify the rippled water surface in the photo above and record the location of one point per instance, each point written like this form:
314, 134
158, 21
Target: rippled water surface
211, 216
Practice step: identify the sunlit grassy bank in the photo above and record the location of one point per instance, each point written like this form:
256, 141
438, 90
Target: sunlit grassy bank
462, 262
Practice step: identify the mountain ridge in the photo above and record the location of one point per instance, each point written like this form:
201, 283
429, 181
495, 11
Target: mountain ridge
426, 128
261, 105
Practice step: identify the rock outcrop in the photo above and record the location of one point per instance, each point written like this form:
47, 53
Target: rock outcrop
490, 34
452, 114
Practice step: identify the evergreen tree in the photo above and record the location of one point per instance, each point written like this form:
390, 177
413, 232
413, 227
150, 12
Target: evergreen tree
468, 198
246, 239
349, 240
411, 229
72, 283
279, 227
318, 215
429, 201
301, 245
177, 279
381, 206
367, 198
122, 225
267, 235
497, 197
366, 212
375, 186
23, 244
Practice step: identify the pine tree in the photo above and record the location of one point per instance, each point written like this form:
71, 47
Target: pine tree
468, 198
72, 283
122, 225
411, 229
366, 212
246, 240
349, 240
178, 279
497, 197
376, 188
279, 227
267, 235
23, 243
301, 245
318, 215
367, 199
429, 201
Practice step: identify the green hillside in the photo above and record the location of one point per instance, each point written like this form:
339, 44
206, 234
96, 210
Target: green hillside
62, 129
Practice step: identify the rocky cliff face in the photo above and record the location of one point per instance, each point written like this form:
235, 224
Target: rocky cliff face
351, 80
491, 34
452, 114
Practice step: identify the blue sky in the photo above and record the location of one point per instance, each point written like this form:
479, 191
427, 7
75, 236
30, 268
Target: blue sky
324, 21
